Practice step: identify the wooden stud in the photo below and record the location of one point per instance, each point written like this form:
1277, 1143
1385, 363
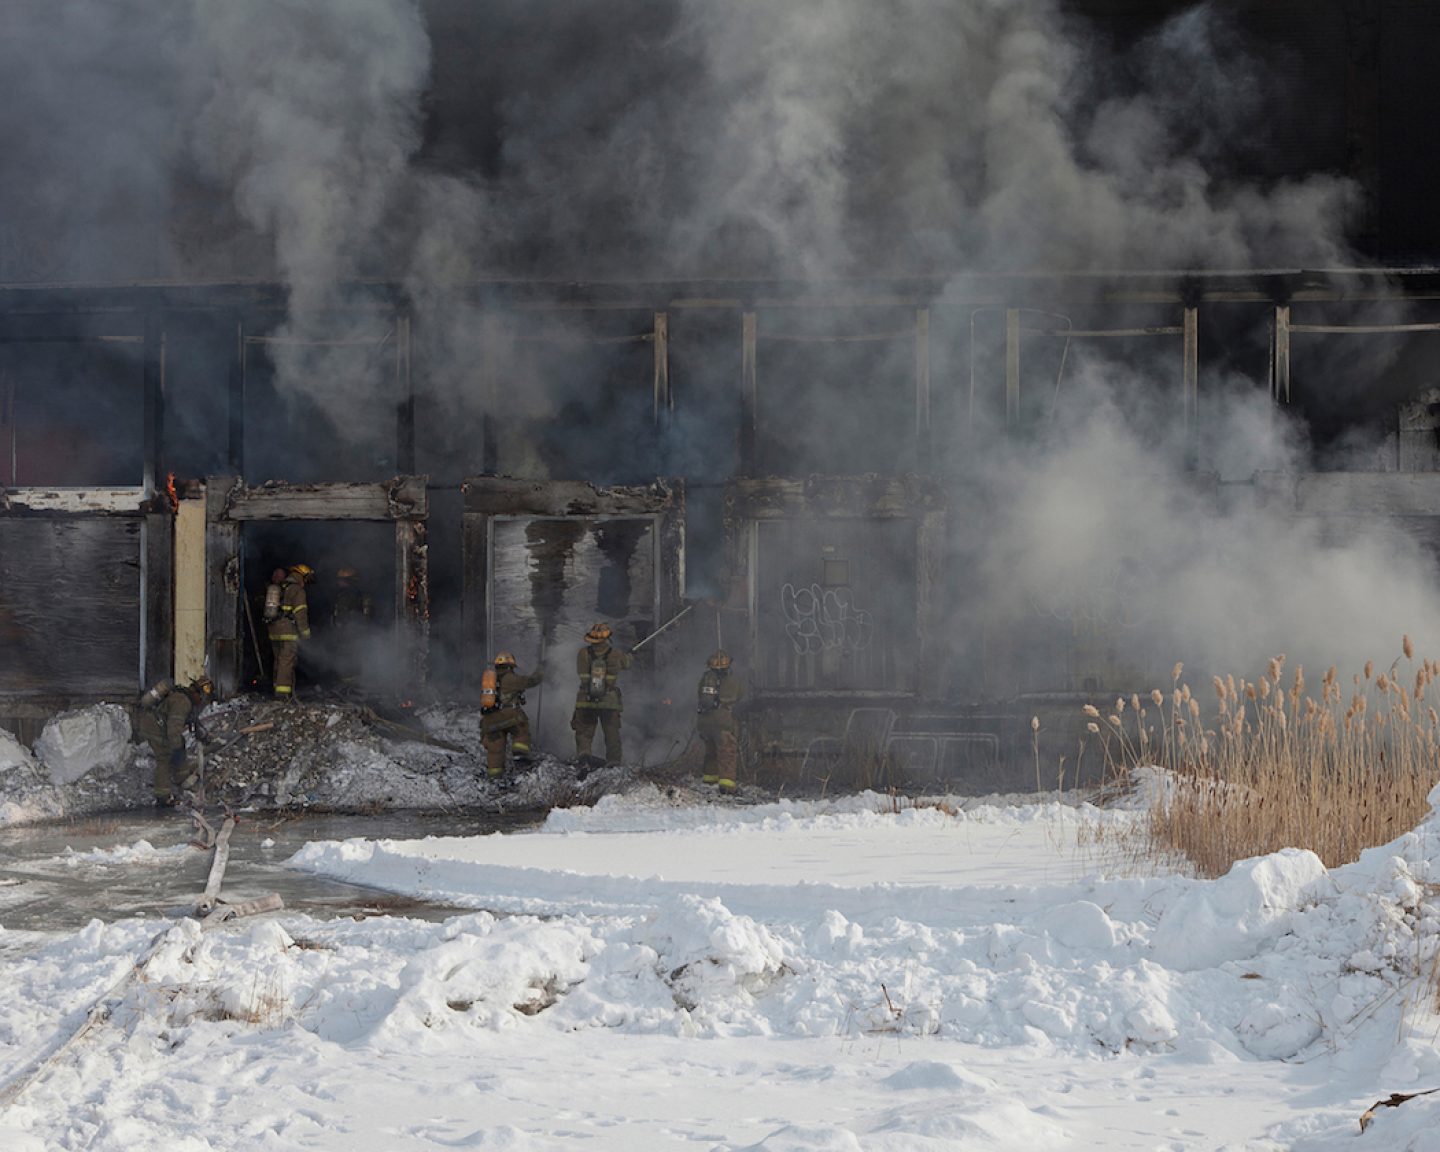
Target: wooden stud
475, 592
922, 387
1280, 355
491, 350
749, 394
1191, 377
664, 402
1012, 367
236, 403
405, 391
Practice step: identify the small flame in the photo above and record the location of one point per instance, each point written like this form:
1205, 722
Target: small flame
407, 703
171, 493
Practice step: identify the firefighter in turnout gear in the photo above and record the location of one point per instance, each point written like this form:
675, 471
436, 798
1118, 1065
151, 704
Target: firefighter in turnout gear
502, 713
598, 700
351, 614
161, 715
720, 691
289, 625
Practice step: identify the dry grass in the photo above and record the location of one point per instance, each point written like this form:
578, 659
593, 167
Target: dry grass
1275, 766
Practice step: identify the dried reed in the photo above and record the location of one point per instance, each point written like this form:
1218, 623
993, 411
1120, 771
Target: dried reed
1276, 766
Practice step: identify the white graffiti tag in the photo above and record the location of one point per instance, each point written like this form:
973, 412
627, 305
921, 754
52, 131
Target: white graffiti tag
818, 619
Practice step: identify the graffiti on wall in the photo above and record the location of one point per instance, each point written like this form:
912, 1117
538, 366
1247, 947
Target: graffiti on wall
822, 619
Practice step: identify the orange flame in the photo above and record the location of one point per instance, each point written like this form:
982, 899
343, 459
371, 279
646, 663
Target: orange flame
171, 493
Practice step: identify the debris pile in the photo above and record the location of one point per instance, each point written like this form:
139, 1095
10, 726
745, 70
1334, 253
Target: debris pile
321, 755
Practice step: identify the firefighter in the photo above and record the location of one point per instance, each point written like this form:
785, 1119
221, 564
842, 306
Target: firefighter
350, 616
352, 605
162, 714
289, 625
502, 713
598, 700
720, 691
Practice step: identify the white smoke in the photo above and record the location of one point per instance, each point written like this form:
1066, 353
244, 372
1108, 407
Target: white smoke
716, 138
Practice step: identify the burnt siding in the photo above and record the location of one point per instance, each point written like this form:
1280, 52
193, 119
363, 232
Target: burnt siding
836, 605
69, 606
561, 576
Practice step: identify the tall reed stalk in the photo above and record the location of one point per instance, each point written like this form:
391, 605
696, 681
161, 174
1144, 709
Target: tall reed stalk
1276, 766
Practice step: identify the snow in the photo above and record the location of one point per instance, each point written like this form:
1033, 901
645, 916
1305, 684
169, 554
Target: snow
797, 976
73, 744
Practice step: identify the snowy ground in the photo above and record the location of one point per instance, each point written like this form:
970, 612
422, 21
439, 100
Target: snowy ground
821, 976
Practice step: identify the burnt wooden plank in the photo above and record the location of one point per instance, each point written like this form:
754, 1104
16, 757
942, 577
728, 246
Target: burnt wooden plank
404, 497
72, 501
506, 496
69, 605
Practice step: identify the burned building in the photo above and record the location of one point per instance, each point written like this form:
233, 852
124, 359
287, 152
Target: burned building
914, 449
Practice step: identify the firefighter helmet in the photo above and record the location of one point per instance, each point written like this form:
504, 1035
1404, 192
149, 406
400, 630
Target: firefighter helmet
598, 634
505, 660
304, 571
719, 660
345, 574
203, 685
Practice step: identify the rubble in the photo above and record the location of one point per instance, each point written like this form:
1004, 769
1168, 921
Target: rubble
321, 755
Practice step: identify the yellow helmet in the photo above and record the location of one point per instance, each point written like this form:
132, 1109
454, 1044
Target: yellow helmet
204, 685
505, 660
304, 571
719, 660
598, 634
344, 573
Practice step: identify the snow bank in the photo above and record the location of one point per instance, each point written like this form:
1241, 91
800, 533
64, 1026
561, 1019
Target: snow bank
1233, 917
818, 919
856, 936
76, 743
